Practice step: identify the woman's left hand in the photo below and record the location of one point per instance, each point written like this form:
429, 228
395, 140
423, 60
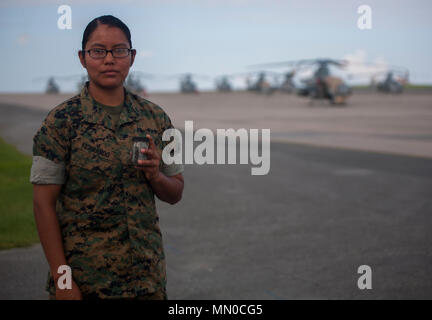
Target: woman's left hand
151, 165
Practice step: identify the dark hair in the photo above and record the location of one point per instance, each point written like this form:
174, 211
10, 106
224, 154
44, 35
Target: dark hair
108, 20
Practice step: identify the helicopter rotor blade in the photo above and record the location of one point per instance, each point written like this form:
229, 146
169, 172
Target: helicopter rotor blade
292, 63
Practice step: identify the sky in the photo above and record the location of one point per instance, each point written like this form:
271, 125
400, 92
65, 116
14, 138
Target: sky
213, 37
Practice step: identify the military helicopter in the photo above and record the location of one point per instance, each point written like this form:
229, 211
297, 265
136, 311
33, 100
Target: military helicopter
287, 84
259, 82
394, 81
392, 78
322, 85
223, 84
133, 82
186, 82
52, 87
260, 85
278, 82
187, 85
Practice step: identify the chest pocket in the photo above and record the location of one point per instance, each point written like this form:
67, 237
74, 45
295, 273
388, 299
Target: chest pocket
91, 166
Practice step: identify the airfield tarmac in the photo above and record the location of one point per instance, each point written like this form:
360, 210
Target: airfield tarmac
348, 186
396, 124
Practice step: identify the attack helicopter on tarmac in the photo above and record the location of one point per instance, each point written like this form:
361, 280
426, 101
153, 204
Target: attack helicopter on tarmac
133, 82
259, 82
263, 82
288, 85
384, 78
394, 81
223, 84
187, 85
52, 86
255, 82
260, 85
322, 85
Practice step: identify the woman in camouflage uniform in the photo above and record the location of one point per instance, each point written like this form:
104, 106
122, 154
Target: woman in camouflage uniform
95, 209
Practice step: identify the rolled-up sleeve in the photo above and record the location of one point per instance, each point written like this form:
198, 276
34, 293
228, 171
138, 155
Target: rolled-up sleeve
50, 150
44, 171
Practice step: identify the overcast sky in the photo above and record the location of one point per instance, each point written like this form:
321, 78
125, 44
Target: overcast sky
213, 37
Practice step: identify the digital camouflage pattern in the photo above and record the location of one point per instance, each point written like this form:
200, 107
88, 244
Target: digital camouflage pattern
106, 210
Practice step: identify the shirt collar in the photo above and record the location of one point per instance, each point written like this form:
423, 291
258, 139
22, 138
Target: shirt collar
92, 112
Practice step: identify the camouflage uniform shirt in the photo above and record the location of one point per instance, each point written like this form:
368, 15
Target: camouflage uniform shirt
106, 210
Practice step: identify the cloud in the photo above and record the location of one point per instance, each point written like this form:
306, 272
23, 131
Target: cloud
360, 67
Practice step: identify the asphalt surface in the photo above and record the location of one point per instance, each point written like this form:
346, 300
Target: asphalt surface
300, 232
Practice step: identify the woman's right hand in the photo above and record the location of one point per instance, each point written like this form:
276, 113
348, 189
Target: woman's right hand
69, 294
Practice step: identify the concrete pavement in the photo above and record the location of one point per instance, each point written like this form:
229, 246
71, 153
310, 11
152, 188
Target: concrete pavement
299, 232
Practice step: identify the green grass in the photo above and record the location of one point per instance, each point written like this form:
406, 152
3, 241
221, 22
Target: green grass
17, 225
419, 86
408, 86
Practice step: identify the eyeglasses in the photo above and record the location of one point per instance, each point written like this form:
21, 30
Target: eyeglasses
102, 53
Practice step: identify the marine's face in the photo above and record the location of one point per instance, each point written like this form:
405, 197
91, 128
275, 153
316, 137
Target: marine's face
108, 72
